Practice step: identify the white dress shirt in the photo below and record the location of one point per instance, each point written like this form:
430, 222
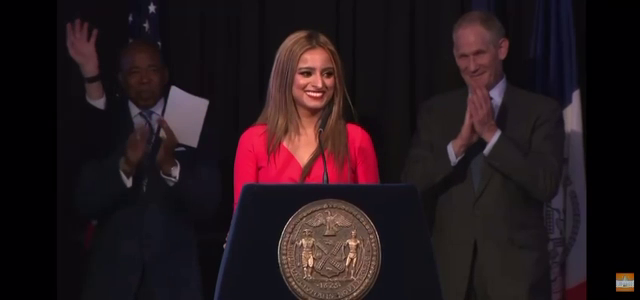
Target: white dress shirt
497, 93
139, 121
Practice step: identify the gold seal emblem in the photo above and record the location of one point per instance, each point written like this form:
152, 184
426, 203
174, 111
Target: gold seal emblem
329, 249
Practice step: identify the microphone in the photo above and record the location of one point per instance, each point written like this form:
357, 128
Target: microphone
323, 124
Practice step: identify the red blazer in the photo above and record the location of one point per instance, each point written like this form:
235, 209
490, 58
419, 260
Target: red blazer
251, 162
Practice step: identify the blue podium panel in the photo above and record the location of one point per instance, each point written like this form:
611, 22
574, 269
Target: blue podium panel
299, 241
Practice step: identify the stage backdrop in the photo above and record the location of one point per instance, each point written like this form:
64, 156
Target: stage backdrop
396, 55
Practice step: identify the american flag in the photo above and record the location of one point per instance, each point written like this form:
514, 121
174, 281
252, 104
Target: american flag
143, 24
144, 21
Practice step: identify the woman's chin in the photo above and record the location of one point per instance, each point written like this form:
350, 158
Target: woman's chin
315, 104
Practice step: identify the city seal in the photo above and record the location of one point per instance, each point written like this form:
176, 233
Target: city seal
329, 249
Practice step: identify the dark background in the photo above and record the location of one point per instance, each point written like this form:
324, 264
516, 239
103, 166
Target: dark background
396, 55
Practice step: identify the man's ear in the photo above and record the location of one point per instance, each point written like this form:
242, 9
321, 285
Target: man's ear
503, 48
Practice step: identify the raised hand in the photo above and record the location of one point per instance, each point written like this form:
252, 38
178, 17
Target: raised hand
82, 47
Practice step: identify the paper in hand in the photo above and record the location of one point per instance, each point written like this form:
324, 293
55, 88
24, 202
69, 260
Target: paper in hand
185, 115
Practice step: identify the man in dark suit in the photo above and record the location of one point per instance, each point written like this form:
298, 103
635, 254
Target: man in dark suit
148, 190
489, 175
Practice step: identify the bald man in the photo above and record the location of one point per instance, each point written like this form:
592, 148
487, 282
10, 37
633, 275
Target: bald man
147, 191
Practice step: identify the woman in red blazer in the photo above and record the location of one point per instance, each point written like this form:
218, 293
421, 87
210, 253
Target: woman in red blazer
307, 82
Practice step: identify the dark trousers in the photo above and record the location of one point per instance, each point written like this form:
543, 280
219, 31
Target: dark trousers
476, 288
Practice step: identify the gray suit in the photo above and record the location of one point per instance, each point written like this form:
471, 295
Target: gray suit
492, 238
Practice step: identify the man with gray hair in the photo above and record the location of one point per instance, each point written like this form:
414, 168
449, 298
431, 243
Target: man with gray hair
490, 156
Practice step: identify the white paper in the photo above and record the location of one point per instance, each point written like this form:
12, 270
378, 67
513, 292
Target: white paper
185, 115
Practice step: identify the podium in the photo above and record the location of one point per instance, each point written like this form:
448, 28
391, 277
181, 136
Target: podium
328, 241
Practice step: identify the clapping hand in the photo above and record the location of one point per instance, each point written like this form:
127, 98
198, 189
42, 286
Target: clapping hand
136, 148
166, 158
482, 112
467, 136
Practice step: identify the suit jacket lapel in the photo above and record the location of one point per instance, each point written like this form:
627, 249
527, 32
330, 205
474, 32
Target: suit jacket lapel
487, 171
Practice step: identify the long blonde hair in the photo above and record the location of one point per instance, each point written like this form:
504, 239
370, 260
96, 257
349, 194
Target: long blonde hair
280, 113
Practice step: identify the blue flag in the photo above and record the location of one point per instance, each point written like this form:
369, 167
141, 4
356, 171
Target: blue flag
553, 50
144, 22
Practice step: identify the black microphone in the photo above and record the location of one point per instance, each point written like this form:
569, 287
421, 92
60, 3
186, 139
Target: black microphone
323, 124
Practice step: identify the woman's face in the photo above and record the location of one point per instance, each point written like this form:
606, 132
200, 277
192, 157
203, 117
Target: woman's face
314, 81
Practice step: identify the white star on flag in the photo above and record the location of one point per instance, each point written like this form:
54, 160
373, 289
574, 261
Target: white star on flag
144, 20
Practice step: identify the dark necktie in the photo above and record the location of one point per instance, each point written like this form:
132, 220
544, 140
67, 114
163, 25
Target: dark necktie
476, 166
147, 115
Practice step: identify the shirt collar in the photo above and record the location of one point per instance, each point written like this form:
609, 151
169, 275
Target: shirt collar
497, 92
156, 109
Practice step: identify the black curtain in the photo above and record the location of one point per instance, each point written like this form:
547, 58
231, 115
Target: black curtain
396, 55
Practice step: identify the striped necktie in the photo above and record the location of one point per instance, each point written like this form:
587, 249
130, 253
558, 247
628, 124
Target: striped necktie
147, 115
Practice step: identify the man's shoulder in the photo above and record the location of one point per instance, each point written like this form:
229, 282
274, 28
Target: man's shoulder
114, 106
443, 100
532, 100
459, 93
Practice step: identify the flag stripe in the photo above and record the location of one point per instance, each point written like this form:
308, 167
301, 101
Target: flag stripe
577, 292
554, 54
